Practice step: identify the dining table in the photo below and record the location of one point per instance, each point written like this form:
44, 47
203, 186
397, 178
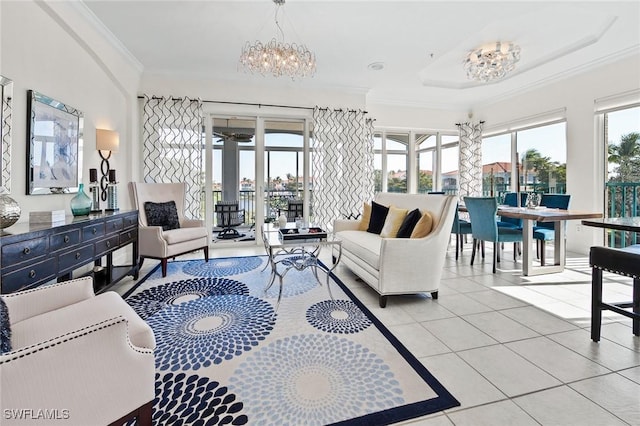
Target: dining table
529, 217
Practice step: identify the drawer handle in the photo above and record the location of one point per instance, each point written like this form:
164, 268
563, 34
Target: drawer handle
26, 250
32, 274
78, 255
66, 238
108, 244
94, 230
128, 234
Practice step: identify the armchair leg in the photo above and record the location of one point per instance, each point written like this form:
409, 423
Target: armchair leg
434, 295
206, 254
383, 301
163, 262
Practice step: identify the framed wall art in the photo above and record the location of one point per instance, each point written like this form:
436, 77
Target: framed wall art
53, 156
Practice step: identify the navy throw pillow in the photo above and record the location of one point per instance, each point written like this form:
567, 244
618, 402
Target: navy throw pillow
162, 214
378, 216
5, 328
409, 223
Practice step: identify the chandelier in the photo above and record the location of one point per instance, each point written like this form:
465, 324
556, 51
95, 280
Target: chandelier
277, 57
491, 62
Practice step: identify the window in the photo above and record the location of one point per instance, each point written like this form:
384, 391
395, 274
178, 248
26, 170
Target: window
390, 160
426, 148
450, 154
541, 154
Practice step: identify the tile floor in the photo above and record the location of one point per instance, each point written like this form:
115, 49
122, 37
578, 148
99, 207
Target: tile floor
513, 350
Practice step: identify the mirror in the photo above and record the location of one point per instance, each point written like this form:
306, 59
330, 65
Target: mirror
54, 147
6, 91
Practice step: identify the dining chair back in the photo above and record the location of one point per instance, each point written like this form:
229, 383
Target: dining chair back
511, 199
482, 212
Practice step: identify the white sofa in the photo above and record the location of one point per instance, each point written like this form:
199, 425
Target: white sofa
399, 265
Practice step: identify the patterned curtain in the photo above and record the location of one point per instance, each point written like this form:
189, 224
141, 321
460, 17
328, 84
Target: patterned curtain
172, 145
470, 166
342, 160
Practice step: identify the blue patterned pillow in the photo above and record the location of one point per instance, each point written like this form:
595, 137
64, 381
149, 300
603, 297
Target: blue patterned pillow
162, 214
5, 328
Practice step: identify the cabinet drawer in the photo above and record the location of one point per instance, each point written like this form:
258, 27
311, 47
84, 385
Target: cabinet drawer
93, 231
75, 258
127, 236
33, 274
108, 244
23, 251
130, 221
114, 225
64, 239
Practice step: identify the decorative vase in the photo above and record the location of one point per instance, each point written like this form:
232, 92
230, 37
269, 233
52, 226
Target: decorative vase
282, 221
81, 203
9, 211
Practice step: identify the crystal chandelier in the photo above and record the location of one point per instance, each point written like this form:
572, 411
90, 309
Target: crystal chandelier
491, 62
277, 57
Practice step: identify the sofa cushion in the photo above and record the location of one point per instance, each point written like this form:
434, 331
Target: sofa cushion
5, 328
49, 325
363, 245
409, 222
175, 236
378, 216
366, 217
423, 227
392, 223
162, 214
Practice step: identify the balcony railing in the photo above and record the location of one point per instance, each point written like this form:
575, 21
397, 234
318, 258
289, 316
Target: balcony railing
623, 201
276, 200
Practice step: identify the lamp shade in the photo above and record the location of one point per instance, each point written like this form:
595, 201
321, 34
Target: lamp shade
107, 140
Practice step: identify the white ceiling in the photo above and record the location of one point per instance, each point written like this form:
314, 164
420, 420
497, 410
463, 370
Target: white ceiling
421, 43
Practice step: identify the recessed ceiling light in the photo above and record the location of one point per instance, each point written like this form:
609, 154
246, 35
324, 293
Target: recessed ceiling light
376, 66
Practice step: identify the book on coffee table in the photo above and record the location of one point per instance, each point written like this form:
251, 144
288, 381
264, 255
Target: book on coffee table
313, 232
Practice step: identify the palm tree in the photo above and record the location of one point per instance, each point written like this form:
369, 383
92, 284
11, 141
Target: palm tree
627, 157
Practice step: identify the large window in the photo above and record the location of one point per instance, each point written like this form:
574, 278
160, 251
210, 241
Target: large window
391, 155
426, 150
450, 155
541, 156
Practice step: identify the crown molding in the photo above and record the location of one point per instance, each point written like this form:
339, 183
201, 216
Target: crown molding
99, 26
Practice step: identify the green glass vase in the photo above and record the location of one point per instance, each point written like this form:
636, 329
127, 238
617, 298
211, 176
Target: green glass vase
81, 203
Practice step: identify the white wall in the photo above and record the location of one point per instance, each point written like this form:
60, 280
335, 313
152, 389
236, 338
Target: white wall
51, 48
585, 155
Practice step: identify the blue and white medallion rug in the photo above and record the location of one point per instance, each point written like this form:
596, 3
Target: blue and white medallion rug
225, 356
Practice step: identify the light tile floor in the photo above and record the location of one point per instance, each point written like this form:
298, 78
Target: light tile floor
513, 350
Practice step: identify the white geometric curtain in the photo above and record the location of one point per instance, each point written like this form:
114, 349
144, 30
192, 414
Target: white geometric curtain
470, 163
342, 160
172, 145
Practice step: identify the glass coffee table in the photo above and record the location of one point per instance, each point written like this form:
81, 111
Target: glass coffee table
297, 248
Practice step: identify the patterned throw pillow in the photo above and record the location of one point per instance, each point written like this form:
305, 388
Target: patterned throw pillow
378, 216
5, 328
162, 214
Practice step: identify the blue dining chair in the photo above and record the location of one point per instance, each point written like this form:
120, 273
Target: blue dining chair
511, 199
482, 212
544, 231
461, 228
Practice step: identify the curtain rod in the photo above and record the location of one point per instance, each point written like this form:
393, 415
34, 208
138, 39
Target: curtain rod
256, 104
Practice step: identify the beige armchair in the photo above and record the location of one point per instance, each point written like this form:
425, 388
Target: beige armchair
156, 243
83, 358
